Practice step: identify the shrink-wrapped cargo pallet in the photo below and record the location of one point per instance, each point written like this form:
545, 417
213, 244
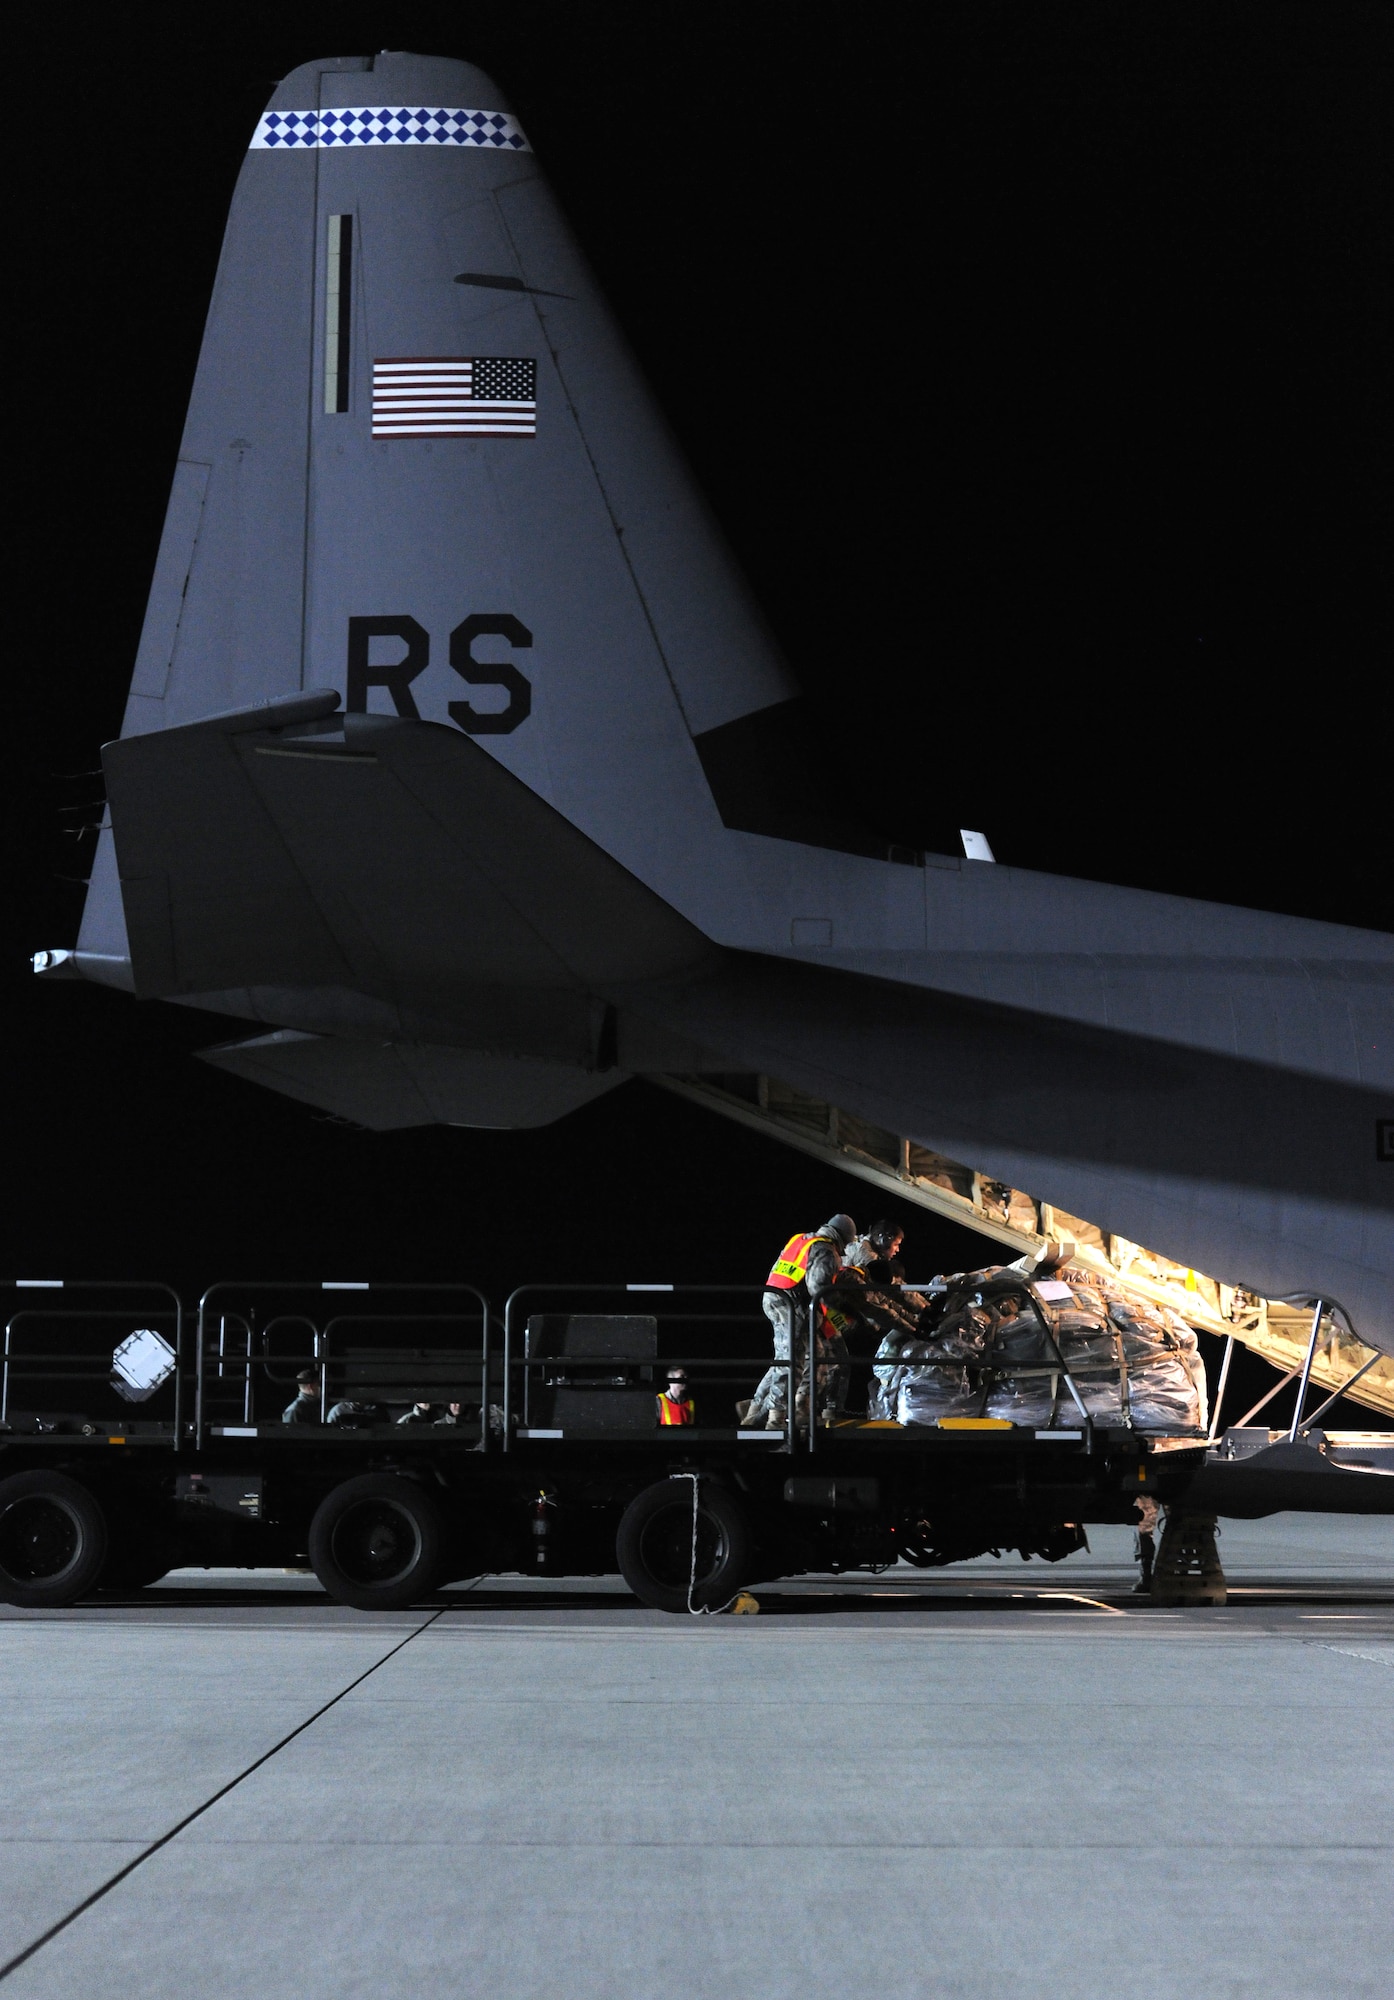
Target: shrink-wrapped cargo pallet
1003, 1349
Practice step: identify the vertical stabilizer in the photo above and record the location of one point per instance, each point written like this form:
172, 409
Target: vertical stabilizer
420, 466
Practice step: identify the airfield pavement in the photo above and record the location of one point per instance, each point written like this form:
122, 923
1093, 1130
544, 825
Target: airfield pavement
996, 1780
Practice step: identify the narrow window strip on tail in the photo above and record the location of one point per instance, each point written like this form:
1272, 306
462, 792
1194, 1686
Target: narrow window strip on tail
338, 314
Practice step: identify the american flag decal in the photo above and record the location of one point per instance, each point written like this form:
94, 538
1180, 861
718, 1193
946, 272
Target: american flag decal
492, 395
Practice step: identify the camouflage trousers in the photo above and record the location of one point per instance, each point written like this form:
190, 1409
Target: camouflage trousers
789, 1318
1143, 1541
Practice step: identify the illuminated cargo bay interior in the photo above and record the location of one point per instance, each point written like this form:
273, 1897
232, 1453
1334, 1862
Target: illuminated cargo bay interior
908, 1172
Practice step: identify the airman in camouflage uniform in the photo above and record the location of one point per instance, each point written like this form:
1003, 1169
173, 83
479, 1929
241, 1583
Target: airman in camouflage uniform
802, 1278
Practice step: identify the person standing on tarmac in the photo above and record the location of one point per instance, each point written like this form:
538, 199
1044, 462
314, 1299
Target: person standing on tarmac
675, 1406
1145, 1544
803, 1275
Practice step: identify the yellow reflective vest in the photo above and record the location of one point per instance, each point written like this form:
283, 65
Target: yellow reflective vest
791, 1265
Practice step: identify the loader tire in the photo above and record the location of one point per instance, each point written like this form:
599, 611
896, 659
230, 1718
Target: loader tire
53, 1539
378, 1543
654, 1546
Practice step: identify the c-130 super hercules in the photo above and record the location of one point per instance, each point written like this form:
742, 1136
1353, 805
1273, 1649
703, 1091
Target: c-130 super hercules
452, 755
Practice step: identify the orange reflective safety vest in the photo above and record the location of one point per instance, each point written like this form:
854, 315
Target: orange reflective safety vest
670, 1412
835, 1321
791, 1265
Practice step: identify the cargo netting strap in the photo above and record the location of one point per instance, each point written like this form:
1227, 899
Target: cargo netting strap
1048, 1324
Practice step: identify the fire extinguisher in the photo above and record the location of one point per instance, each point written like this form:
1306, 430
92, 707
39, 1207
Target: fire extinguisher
541, 1526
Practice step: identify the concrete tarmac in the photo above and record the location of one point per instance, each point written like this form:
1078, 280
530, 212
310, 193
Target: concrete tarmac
996, 1780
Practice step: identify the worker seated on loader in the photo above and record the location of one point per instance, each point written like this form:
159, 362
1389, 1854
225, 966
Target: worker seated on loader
350, 1414
457, 1412
305, 1408
675, 1406
807, 1274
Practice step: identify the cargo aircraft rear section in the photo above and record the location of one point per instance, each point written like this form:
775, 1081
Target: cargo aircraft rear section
137, 1437
458, 762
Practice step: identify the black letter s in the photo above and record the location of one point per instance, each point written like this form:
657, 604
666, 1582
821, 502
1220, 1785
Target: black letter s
480, 673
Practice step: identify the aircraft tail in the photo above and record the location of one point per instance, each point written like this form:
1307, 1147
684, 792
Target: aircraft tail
421, 467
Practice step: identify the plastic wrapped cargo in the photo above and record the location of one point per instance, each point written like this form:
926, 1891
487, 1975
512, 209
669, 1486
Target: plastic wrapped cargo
1034, 1356
940, 1373
929, 1394
897, 1358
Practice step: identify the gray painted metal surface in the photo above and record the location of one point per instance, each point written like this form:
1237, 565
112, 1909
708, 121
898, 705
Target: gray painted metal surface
542, 631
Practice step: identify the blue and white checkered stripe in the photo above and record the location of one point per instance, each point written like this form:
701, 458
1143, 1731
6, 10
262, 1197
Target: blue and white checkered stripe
387, 125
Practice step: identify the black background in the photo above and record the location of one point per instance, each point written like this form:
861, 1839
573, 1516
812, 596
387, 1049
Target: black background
1035, 360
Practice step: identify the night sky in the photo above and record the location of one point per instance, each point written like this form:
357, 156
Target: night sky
1100, 564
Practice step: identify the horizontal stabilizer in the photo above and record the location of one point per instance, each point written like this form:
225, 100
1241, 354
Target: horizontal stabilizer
388, 1086
392, 857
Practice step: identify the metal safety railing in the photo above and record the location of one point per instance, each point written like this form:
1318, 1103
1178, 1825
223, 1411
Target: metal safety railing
730, 1367
254, 1336
57, 1366
395, 1341
240, 1307
1326, 1313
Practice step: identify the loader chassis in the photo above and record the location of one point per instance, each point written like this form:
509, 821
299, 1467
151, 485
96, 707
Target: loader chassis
207, 1474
